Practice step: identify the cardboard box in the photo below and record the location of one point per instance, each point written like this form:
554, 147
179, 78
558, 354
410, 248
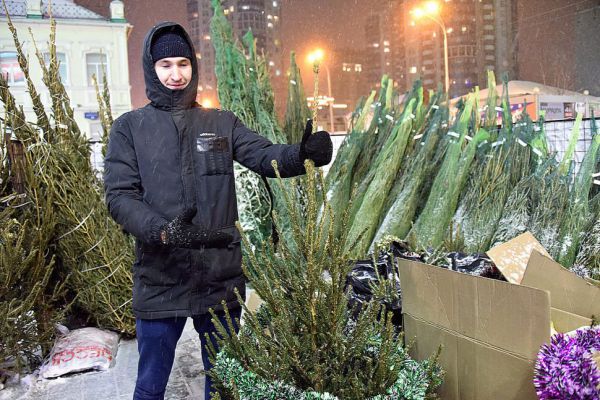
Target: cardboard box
253, 301
512, 257
573, 301
490, 330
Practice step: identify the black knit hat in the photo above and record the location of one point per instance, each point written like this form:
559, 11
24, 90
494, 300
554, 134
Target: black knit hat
170, 44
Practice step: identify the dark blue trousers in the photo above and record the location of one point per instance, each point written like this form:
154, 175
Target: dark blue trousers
157, 339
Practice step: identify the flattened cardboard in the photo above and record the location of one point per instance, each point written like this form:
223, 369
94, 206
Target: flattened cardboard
474, 371
491, 330
512, 257
574, 301
253, 301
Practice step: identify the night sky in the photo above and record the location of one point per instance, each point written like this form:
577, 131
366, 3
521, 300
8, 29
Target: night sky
327, 24
333, 23
311, 20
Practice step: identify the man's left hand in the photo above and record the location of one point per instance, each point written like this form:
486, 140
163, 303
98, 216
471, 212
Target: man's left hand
316, 146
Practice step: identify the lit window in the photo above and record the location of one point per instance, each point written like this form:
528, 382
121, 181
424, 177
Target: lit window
464, 29
375, 45
270, 25
62, 65
269, 16
206, 37
357, 67
274, 4
386, 50
10, 69
245, 7
386, 43
413, 70
271, 64
95, 65
231, 9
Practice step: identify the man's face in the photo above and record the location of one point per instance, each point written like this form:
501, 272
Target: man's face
174, 72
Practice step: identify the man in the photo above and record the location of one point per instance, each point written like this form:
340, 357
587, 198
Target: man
169, 182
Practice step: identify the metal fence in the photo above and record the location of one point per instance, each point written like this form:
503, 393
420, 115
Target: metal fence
558, 134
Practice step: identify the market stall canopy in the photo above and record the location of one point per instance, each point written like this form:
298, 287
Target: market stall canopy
533, 97
523, 88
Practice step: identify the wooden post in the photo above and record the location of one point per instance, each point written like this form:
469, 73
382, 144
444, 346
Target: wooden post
16, 162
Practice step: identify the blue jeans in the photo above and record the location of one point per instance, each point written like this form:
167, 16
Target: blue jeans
157, 339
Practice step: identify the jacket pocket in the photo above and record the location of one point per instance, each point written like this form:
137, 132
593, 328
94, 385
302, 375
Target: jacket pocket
225, 263
213, 155
162, 266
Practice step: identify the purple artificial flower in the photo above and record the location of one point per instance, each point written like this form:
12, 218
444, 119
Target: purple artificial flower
565, 369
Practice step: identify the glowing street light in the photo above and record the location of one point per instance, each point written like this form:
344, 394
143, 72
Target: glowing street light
431, 10
206, 103
315, 58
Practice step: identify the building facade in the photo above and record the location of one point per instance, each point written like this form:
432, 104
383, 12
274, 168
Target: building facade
348, 65
141, 15
263, 17
385, 44
87, 44
480, 37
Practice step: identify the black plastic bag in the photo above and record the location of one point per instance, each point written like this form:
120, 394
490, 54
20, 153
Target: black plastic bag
366, 274
474, 264
401, 250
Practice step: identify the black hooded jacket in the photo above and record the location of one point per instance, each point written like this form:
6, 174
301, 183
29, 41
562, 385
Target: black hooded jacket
171, 155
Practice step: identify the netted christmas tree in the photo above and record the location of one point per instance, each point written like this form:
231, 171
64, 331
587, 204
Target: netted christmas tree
244, 88
305, 342
297, 111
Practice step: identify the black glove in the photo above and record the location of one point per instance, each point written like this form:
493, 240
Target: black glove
317, 147
181, 232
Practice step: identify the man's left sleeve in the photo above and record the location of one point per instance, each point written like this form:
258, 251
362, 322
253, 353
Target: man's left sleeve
255, 152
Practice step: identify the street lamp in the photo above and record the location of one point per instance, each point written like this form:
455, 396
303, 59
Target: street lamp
431, 10
315, 58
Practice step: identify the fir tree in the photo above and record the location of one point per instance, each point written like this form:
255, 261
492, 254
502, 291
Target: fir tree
297, 112
61, 255
304, 337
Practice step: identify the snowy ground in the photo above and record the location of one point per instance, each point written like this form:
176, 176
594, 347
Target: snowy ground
186, 382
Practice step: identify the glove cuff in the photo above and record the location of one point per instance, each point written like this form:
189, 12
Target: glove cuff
155, 229
295, 158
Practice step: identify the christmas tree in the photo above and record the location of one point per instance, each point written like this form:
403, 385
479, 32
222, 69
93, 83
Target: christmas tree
305, 342
62, 258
